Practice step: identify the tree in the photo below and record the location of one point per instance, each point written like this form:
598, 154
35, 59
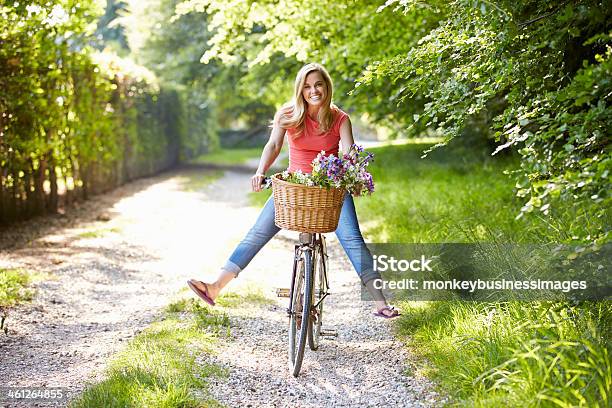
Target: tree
531, 75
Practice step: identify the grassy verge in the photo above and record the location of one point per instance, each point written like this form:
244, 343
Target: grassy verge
259, 199
229, 156
197, 180
161, 366
14, 286
447, 197
530, 354
98, 233
251, 296
240, 156
515, 354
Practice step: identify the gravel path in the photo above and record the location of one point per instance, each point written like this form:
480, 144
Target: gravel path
364, 366
107, 286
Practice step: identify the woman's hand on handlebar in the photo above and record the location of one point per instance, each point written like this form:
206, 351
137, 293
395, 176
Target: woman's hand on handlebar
257, 181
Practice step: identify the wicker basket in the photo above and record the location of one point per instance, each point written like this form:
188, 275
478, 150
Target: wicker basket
305, 208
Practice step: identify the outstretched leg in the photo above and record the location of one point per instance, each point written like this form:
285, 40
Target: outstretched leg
350, 237
258, 236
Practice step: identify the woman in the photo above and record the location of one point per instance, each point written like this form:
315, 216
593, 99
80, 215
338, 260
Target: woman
312, 124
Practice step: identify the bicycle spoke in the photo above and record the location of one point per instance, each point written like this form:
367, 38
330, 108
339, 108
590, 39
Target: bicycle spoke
300, 307
320, 292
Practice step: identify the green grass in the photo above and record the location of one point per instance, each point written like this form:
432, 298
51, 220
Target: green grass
162, 366
530, 354
443, 198
98, 233
259, 198
253, 296
14, 286
197, 180
457, 195
229, 156
239, 156
511, 354
514, 354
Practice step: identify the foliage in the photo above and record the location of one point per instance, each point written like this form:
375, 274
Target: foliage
516, 354
75, 121
45, 80
511, 354
112, 36
170, 45
544, 80
530, 75
14, 287
269, 41
159, 367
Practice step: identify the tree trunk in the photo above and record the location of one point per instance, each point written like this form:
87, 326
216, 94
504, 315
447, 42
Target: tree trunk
39, 191
29, 207
11, 208
86, 180
3, 219
52, 203
15, 200
68, 192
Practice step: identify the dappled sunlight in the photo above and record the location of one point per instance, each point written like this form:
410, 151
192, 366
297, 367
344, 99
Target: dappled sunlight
375, 227
190, 231
129, 135
116, 274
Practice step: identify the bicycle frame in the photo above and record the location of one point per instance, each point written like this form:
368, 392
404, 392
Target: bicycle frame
312, 242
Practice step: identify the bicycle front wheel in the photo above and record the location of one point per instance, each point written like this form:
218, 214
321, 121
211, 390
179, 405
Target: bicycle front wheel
300, 311
319, 291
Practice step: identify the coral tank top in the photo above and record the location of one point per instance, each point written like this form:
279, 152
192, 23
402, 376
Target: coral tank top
304, 148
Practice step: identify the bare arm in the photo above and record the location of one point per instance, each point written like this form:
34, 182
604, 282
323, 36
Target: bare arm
347, 140
269, 154
346, 135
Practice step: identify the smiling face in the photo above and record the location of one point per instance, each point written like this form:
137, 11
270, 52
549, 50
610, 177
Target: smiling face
314, 91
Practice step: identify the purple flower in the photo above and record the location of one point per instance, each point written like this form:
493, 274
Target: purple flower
347, 171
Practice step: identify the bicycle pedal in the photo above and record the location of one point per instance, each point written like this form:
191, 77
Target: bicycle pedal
329, 332
282, 292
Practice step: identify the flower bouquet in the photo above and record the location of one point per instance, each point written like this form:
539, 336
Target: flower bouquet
348, 172
313, 202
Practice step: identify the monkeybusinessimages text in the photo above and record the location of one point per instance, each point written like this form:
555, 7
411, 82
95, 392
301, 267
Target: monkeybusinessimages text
385, 263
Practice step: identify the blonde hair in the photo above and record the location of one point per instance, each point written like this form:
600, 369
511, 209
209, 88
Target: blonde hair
292, 115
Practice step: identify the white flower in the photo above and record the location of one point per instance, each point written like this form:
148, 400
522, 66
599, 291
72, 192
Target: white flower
32, 9
58, 16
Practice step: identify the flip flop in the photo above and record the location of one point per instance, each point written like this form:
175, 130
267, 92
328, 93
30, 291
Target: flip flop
394, 312
202, 294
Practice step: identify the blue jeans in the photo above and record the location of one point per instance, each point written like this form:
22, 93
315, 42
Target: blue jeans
348, 234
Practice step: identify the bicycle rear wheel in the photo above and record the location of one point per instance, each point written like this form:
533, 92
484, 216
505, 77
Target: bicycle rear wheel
300, 311
319, 291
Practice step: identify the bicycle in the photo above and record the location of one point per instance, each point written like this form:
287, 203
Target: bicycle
309, 288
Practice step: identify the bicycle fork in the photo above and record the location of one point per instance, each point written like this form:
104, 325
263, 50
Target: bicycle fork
296, 258
308, 242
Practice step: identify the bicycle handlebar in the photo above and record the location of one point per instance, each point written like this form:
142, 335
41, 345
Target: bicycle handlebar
267, 183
